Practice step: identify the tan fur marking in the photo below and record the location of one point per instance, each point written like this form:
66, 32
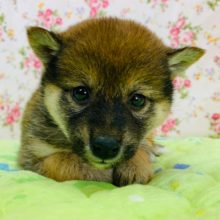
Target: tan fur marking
42, 149
52, 96
66, 166
151, 147
162, 109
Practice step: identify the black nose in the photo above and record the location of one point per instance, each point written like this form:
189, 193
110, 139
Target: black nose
105, 147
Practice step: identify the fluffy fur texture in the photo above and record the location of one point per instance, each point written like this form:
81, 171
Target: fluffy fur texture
114, 59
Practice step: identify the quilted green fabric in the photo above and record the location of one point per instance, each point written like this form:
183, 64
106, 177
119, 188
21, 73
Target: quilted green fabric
186, 186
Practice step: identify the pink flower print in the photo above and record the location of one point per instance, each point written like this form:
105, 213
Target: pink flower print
188, 37
217, 128
182, 33
169, 124
165, 128
47, 23
174, 31
105, 3
217, 60
175, 42
178, 83
161, 3
49, 18
94, 8
40, 14
26, 63
2, 107
32, 62
93, 3
93, 12
182, 85
59, 21
96, 5
45, 16
215, 116
9, 120
48, 12
15, 111
187, 83
180, 23
13, 114
37, 64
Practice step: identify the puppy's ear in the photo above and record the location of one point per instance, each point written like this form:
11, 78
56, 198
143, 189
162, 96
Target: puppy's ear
44, 43
180, 59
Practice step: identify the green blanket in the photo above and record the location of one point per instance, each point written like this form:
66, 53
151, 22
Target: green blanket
186, 186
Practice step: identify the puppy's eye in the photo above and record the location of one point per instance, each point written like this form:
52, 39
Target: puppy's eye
80, 94
138, 101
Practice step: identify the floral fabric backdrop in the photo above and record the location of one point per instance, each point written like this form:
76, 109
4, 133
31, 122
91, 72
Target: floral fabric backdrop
178, 23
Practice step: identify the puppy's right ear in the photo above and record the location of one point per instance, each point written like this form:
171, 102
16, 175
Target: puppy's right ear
181, 59
44, 43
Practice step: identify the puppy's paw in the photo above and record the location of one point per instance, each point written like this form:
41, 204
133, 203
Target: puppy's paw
135, 170
125, 175
158, 150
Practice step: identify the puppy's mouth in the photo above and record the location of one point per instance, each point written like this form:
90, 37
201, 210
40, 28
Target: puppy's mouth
101, 163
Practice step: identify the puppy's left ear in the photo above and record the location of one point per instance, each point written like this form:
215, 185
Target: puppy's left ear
180, 59
45, 44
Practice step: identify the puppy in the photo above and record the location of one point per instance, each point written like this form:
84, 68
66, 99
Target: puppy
106, 84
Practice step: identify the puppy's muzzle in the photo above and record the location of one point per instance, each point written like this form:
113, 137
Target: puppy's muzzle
105, 147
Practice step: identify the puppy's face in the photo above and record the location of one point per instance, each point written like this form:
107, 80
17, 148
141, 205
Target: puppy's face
107, 83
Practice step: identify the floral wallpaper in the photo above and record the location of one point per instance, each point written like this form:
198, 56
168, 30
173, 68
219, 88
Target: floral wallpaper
196, 109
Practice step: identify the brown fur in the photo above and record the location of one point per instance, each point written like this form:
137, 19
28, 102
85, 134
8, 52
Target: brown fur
135, 170
68, 166
114, 59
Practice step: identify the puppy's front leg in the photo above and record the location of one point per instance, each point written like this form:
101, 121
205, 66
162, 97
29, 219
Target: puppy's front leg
64, 166
135, 170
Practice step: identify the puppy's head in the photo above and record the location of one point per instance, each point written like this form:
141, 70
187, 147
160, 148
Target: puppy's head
107, 83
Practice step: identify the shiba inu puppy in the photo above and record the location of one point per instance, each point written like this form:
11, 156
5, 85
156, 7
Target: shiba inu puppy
106, 84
